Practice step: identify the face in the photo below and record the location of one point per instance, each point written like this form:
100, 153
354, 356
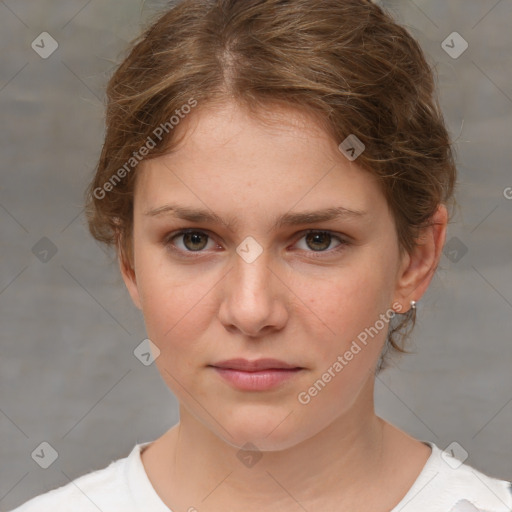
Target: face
303, 291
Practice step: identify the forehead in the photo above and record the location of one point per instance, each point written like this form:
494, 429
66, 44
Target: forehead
281, 159
229, 124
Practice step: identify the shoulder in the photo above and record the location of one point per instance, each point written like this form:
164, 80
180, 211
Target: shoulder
446, 484
103, 489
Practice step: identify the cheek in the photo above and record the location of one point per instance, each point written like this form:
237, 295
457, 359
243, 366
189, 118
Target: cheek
348, 306
176, 320
172, 300
347, 298
174, 313
343, 310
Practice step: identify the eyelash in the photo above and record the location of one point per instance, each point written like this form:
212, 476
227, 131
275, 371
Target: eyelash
194, 254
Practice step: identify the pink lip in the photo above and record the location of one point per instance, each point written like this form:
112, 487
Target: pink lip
253, 366
256, 375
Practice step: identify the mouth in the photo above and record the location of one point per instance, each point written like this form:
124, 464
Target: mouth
256, 365
259, 375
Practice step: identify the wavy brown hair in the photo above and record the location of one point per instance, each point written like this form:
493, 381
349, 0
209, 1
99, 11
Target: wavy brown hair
345, 62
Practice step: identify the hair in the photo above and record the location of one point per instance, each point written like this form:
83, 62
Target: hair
345, 62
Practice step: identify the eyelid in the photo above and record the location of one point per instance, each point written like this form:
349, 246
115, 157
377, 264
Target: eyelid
334, 234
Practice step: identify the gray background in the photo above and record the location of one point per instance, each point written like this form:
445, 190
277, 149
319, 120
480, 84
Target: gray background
68, 375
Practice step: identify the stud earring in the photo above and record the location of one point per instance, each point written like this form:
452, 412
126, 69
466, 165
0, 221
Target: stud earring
413, 304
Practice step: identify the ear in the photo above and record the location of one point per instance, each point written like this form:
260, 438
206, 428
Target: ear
129, 277
418, 267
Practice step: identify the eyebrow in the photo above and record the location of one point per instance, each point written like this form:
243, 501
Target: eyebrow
288, 219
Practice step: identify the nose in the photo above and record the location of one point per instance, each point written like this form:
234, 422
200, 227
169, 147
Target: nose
254, 297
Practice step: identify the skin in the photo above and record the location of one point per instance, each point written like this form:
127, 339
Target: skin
333, 453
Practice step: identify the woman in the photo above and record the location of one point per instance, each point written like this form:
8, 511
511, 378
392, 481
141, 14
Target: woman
276, 177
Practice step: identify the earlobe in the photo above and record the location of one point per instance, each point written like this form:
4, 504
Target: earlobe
418, 267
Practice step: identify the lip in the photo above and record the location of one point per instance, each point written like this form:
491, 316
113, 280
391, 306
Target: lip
256, 365
259, 375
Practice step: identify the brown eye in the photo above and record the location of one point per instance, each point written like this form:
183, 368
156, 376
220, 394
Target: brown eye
195, 240
188, 241
319, 244
319, 241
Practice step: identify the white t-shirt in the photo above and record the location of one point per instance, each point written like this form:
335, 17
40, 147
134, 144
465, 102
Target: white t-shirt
444, 485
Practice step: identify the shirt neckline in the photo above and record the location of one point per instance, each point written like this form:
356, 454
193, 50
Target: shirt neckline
426, 474
146, 497
139, 484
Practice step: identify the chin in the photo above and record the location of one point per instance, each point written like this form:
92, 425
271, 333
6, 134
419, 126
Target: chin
268, 432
